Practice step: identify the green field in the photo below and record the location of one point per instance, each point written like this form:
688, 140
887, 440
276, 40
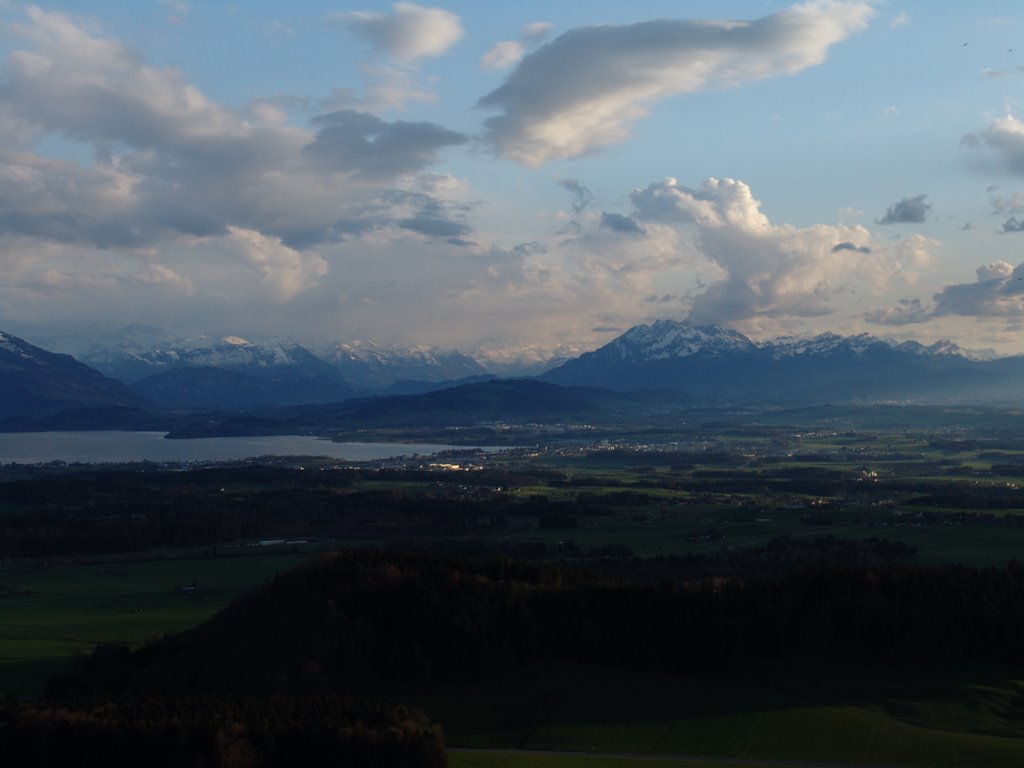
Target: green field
457, 759
799, 714
51, 611
50, 614
669, 533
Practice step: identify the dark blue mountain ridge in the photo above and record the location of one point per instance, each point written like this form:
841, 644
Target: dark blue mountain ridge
36, 383
709, 361
209, 387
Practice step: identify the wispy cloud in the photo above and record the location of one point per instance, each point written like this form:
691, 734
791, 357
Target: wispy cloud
901, 19
583, 90
410, 32
505, 53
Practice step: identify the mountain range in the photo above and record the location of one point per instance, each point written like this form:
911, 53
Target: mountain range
702, 364
37, 383
712, 362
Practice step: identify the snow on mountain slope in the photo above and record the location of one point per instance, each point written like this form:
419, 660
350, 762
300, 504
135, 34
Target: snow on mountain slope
368, 364
665, 339
131, 361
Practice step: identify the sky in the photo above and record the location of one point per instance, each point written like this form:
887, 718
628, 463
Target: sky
497, 177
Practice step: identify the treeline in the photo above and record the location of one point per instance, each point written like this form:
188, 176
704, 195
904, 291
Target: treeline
225, 731
108, 512
358, 621
619, 563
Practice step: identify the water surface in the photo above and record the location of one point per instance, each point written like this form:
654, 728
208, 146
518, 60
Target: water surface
112, 446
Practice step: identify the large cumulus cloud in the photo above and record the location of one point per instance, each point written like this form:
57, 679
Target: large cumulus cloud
768, 270
583, 90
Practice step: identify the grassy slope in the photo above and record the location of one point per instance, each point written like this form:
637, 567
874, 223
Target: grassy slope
60, 611
524, 760
936, 543
827, 716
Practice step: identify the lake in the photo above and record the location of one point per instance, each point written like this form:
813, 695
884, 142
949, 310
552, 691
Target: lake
102, 447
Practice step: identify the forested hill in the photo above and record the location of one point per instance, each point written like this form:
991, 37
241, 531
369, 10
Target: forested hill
358, 621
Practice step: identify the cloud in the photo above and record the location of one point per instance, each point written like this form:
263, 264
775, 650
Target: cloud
619, 223
386, 87
410, 32
1001, 204
909, 210
284, 271
170, 162
363, 144
581, 196
768, 270
1013, 224
401, 39
998, 291
1005, 138
88, 87
907, 312
505, 53
537, 32
583, 90
433, 219
1013, 72
172, 205
848, 246
177, 10
900, 20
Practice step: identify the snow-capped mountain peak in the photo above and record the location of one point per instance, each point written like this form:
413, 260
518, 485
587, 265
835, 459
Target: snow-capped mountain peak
666, 339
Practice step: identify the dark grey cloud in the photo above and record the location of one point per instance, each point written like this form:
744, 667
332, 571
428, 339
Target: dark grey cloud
909, 210
428, 216
619, 223
418, 212
529, 249
907, 312
584, 89
436, 226
1013, 224
848, 246
581, 196
363, 144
